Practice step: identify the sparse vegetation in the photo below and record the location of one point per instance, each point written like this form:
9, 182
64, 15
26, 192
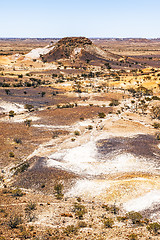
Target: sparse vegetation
101, 115
153, 227
29, 107
58, 187
15, 221
43, 166
17, 192
70, 229
108, 223
156, 125
11, 113
18, 140
76, 133
79, 210
28, 122
133, 236
11, 154
135, 217
155, 112
114, 102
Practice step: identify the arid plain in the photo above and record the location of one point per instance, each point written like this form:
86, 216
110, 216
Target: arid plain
79, 138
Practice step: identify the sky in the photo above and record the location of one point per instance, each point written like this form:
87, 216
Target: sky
89, 18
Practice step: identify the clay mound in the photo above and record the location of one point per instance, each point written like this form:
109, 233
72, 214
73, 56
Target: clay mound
79, 49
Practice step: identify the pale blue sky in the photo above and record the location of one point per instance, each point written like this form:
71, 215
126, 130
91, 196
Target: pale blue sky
90, 18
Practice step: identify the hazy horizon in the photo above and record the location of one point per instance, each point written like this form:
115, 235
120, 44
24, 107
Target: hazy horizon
92, 19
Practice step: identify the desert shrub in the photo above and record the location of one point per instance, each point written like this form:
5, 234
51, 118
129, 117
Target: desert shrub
67, 105
118, 112
133, 236
114, 102
101, 115
29, 210
29, 107
79, 210
2, 210
15, 221
155, 112
25, 234
20, 76
156, 125
7, 91
79, 199
70, 229
42, 94
6, 85
11, 113
55, 134
135, 217
90, 127
82, 224
67, 215
2, 238
155, 98
158, 136
58, 190
76, 133
108, 223
148, 98
153, 227
11, 154
121, 218
27, 122
145, 221
54, 93
30, 206
17, 192
18, 140
21, 168
112, 208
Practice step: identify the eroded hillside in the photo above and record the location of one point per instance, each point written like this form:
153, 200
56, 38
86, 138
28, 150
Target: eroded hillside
79, 144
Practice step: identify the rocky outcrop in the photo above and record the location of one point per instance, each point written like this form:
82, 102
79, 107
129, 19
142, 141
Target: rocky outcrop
77, 49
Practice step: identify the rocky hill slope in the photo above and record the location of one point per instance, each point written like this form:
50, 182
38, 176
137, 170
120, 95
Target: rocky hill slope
79, 49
